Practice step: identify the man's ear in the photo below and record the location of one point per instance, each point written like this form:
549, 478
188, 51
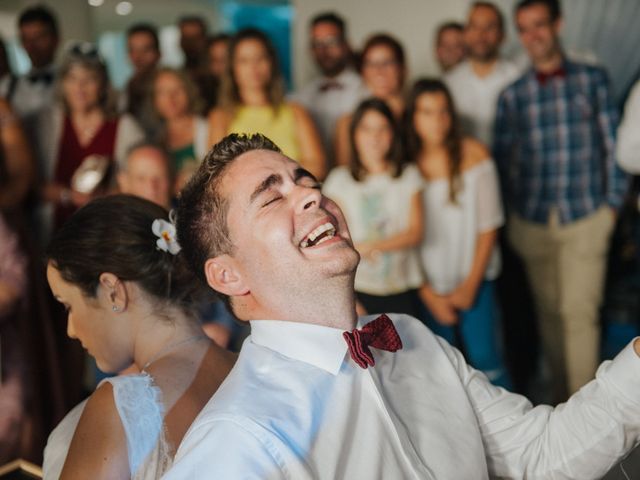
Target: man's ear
224, 276
116, 291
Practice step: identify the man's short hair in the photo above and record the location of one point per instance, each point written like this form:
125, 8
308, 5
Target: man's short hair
194, 19
333, 18
553, 6
202, 226
39, 13
495, 9
457, 26
145, 28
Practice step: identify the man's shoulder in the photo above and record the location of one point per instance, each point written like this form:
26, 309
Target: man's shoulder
595, 72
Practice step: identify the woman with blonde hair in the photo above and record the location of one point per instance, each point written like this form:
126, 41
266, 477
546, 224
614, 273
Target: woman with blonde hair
81, 128
252, 101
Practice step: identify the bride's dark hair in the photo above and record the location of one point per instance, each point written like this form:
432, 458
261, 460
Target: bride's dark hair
113, 234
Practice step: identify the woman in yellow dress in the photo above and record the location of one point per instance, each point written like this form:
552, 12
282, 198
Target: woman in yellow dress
252, 100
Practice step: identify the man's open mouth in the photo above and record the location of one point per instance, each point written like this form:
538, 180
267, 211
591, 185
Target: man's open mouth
324, 232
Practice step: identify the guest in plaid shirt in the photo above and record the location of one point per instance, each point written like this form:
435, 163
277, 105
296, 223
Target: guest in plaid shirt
554, 146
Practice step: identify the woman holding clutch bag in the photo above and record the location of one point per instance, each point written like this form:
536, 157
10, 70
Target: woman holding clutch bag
82, 125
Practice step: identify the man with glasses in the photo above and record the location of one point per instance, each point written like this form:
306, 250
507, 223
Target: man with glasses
337, 91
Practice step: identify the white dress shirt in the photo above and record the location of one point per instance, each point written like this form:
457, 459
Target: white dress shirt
327, 105
476, 97
296, 406
33, 92
628, 146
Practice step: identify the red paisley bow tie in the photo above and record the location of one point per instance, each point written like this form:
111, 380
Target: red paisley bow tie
379, 333
544, 77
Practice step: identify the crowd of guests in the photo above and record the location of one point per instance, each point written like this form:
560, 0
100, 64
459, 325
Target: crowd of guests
492, 171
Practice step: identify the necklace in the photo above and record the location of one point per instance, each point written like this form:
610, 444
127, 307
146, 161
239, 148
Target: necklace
172, 346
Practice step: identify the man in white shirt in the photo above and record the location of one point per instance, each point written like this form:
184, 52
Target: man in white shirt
39, 36
339, 89
477, 82
308, 398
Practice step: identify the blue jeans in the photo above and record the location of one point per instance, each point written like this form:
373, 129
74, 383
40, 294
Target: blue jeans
479, 332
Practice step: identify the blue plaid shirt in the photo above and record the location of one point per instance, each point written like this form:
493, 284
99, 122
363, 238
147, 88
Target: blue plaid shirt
554, 144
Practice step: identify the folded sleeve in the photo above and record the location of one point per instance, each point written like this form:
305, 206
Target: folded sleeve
580, 439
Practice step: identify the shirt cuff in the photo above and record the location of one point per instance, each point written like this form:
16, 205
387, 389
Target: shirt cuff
624, 372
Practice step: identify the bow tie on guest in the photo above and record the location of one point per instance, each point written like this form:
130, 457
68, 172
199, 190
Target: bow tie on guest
330, 85
544, 77
44, 77
379, 333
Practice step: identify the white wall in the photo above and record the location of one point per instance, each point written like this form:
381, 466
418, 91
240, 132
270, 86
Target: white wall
413, 22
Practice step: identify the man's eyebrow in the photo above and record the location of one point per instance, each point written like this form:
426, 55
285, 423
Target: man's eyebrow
266, 184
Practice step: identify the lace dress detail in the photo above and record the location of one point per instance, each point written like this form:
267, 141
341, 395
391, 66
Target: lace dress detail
139, 404
141, 411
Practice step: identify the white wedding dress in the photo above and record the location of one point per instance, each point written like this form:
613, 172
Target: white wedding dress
141, 412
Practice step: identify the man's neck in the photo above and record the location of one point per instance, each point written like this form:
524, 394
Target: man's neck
550, 63
327, 305
483, 67
336, 74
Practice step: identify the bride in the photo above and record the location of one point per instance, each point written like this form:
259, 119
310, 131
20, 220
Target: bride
116, 267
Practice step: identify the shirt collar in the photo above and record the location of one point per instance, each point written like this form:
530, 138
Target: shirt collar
317, 345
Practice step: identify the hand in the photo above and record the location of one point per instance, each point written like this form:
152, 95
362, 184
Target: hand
440, 306
79, 199
463, 297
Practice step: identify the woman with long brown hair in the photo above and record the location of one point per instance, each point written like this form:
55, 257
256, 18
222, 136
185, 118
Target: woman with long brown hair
252, 101
462, 215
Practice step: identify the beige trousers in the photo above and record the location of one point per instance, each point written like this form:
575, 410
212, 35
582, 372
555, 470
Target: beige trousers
566, 267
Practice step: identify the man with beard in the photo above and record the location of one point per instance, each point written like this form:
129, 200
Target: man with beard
339, 88
476, 83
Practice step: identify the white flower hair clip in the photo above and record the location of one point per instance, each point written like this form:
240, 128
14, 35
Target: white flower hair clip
166, 233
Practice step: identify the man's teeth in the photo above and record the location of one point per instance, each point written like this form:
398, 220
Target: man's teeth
324, 232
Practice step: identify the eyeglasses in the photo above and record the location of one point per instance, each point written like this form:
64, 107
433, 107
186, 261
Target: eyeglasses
380, 64
327, 42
